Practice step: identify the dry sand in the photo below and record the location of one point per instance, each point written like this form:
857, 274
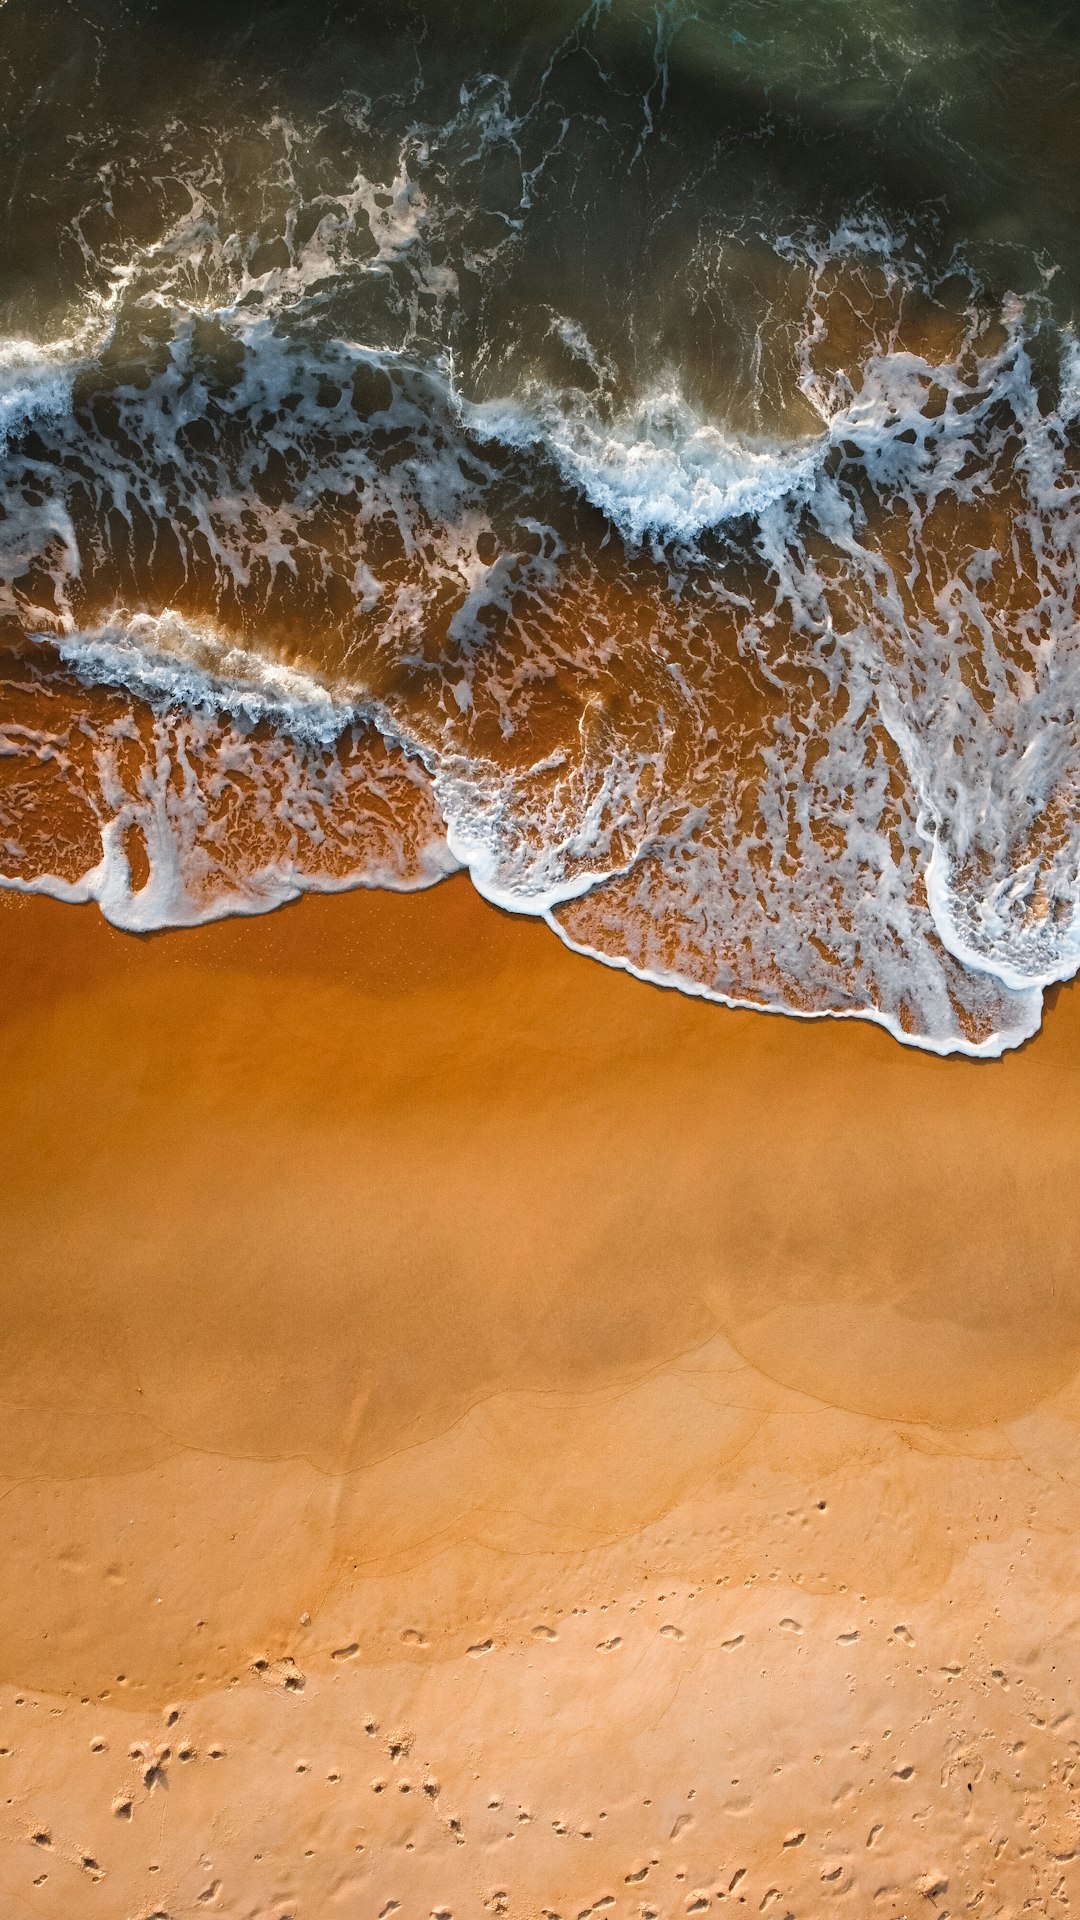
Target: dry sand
484, 1436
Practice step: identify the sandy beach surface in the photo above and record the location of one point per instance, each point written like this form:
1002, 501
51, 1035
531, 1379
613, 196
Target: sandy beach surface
480, 1435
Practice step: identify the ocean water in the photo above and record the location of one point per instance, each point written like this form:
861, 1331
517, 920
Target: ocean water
630, 451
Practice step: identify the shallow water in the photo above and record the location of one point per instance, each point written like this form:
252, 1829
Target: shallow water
630, 452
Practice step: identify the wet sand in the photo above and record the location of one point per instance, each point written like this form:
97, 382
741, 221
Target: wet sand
484, 1435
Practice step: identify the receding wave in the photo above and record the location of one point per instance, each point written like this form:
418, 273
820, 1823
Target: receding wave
751, 667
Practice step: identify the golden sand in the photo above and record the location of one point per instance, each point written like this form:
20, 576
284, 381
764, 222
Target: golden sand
482, 1435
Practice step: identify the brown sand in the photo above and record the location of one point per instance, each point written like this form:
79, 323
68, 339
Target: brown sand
482, 1435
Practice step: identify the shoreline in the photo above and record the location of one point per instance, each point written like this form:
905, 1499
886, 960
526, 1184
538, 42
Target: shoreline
125, 852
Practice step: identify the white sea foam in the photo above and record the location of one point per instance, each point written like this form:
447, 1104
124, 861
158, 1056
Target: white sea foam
35, 384
659, 471
808, 748
172, 662
241, 782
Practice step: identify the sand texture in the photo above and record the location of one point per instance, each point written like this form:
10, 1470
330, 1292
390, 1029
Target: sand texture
480, 1435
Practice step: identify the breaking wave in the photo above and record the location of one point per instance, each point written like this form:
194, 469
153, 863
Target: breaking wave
743, 649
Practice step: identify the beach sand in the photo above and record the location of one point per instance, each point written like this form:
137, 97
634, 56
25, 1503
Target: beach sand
481, 1435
